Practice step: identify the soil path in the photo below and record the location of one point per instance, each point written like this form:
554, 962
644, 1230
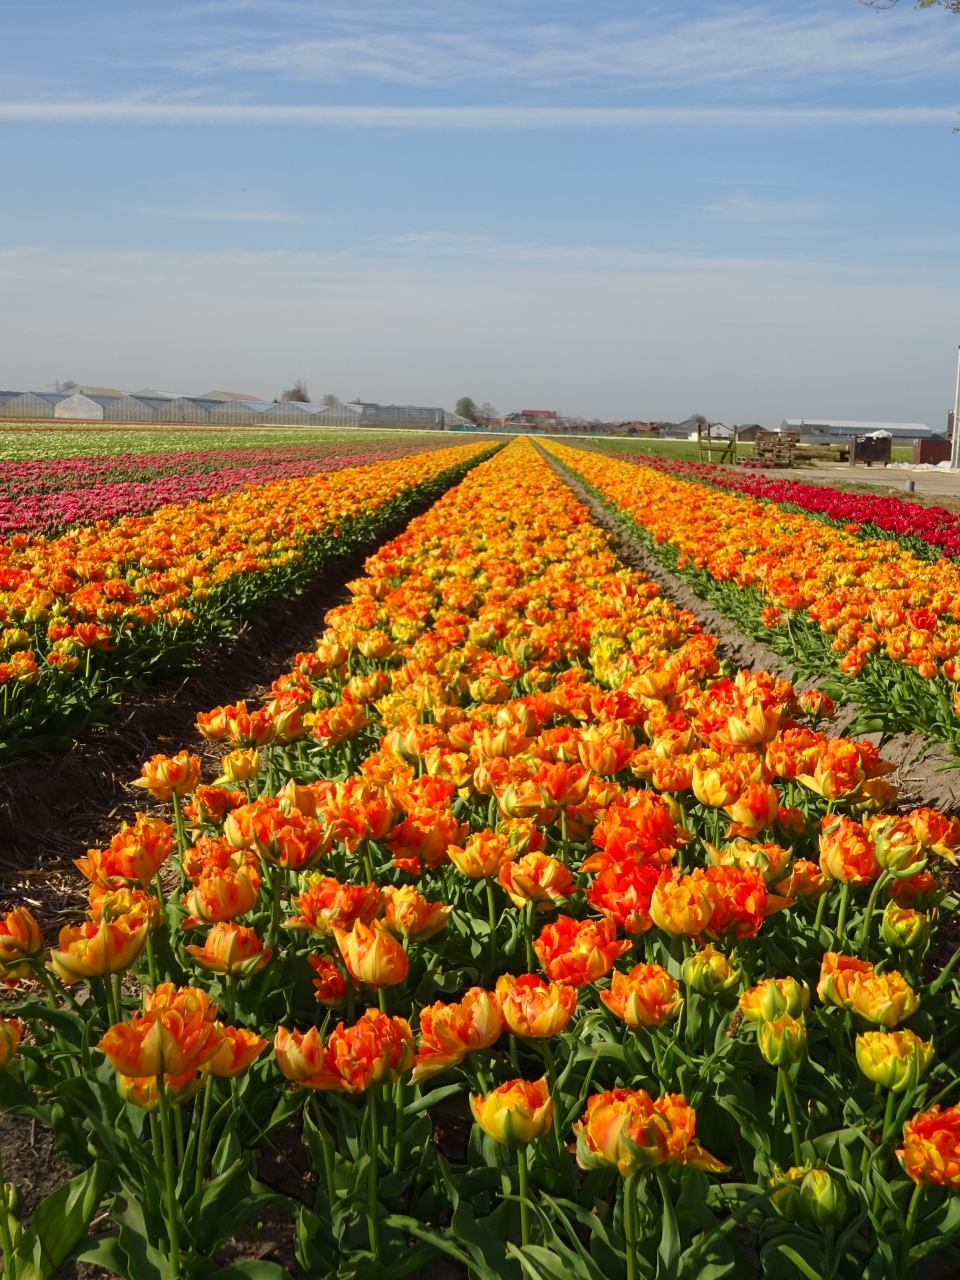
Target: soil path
934, 780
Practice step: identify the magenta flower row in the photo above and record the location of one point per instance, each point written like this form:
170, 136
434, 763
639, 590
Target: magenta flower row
51, 512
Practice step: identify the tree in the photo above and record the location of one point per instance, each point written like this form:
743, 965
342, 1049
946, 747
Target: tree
297, 392
953, 6
487, 412
465, 408
69, 385
330, 400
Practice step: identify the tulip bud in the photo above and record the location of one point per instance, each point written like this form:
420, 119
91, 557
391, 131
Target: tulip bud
372, 954
240, 765
709, 971
785, 1198
774, 997
783, 1041
905, 928
822, 1198
519, 1111
896, 845
894, 1059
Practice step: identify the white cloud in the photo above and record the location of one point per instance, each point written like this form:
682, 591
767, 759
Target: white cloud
475, 118
447, 44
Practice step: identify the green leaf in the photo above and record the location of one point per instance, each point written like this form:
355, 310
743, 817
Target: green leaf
59, 1223
253, 1270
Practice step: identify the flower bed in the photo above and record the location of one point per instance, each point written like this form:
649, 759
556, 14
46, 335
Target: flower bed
85, 614
928, 531
508, 851
47, 496
877, 623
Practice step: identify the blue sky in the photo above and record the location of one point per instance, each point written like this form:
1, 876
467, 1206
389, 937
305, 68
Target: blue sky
623, 209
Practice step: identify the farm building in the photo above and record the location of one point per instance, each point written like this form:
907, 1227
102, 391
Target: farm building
815, 429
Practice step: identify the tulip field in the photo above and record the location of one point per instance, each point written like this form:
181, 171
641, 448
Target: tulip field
873, 617
522, 934
210, 539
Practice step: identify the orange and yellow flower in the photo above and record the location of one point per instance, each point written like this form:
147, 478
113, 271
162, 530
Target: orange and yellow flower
645, 997
518, 1112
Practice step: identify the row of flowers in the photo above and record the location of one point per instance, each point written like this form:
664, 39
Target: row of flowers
47, 497
922, 529
83, 613
510, 847
872, 618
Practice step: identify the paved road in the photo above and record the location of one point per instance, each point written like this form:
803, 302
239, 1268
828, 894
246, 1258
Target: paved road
931, 484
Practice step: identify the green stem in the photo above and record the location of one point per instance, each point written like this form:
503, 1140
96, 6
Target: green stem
350, 996
373, 1227
821, 907
382, 997
5, 1239
907, 1241
842, 915
630, 1223
230, 986
275, 908
945, 972
492, 919
880, 881
326, 1141
398, 1135
657, 1055
178, 826
792, 1113
202, 1136
173, 1224
524, 1195
151, 963
564, 842
178, 1134
528, 933
116, 982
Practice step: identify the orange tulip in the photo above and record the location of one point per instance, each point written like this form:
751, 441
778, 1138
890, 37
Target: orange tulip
578, 951
20, 941
936, 832
805, 880
769, 859
483, 855
931, 1148
221, 894
629, 1129
739, 899
88, 950
623, 892
330, 984
376, 1050
681, 904
134, 853
645, 997
845, 852
885, 999
816, 706
606, 748
238, 1049
754, 810
111, 904
839, 773
372, 954
409, 915
232, 949
326, 904
358, 811
291, 841
838, 976
719, 781
448, 1032
534, 1008
175, 1034
164, 776
518, 1112
423, 837
10, 1033
142, 1090
210, 805
538, 878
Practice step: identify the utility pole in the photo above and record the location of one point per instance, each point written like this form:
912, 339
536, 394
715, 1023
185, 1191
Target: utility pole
955, 439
